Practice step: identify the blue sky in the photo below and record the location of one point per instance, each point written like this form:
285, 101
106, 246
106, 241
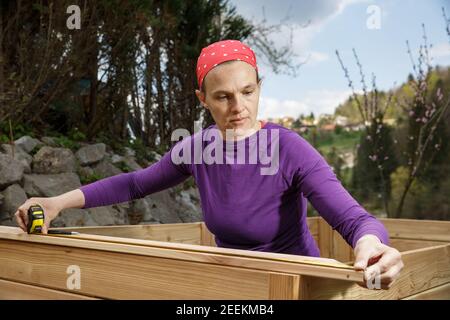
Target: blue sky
342, 24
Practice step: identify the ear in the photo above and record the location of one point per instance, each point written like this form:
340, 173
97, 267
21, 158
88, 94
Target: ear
201, 97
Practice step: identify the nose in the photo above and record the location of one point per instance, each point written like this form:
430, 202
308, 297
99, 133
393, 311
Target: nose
237, 105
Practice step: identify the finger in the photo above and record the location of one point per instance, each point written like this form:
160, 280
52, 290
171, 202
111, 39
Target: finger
44, 229
23, 214
365, 258
361, 259
23, 217
388, 259
19, 221
386, 286
391, 275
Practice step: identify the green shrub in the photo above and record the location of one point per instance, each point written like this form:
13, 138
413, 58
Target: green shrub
90, 178
66, 142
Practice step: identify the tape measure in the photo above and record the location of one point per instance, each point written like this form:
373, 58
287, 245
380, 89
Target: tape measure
35, 219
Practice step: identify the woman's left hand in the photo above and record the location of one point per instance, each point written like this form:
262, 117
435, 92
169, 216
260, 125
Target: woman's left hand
381, 264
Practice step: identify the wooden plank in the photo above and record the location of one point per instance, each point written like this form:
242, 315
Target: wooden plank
172, 232
313, 225
316, 239
418, 229
232, 257
325, 239
436, 293
207, 238
284, 286
127, 276
341, 251
408, 244
10, 290
424, 269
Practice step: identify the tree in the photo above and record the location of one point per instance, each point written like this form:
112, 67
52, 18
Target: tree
375, 157
128, 74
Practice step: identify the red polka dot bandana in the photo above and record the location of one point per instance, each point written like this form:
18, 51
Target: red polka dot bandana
222, 51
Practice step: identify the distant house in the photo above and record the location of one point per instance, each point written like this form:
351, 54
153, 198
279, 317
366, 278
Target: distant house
390, 122
341, 121
328, 127
285, 121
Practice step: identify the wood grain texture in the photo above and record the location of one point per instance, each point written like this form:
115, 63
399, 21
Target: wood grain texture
284, 286
207, 238
228, 257
189, 233
436, 293
424, 269
10, 290
325, 239
341, 250
181, 261
117, 275
408, 244
418, 229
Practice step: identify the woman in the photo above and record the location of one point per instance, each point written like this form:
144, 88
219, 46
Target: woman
245, 206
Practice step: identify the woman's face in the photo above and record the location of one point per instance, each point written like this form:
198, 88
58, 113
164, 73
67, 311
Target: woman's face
232, 97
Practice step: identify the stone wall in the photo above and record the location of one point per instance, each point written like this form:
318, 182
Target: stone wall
42, 168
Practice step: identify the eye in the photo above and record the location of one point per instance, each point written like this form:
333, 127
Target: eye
221, 97
248, 93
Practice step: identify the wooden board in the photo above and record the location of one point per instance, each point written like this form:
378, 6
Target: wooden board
10, 290
118, 275
172, 232
418, 229
207, 238
180, 251
409, 244
436, 293
424, 269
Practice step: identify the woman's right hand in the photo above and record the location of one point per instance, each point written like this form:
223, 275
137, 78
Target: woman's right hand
51, 211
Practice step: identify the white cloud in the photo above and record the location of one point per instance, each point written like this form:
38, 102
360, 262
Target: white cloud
305, 19
317, 101
441, 50
315, 57
292, 11
274, 108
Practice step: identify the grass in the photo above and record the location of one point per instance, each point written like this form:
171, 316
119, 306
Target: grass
343, 142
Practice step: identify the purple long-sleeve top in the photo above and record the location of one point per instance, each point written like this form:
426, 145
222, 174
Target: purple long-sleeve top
244, 206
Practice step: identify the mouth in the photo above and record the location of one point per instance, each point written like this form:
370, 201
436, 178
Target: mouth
238, 121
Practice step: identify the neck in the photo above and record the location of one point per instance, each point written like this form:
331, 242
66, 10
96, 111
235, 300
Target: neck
239, 134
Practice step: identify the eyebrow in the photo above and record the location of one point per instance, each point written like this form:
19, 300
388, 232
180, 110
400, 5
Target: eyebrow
251, 85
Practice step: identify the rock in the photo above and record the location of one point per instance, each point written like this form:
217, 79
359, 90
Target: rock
109, 215
91, 154
131, 164
73, 218
28, 143
50, 185
9, 223
189, 210
106, 169
13, 197
50, 141
20, 155
129, 152
115, 158
194, 194
146, 163
156, 156
85, 171
163, 208
139, 212
54, 160
11, 171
